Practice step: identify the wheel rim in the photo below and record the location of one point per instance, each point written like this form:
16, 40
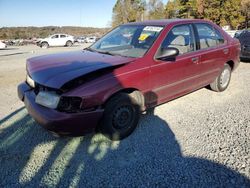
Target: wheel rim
224, 78
68, 43
122, 117
44, 45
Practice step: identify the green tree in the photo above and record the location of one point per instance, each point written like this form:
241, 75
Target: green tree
17, 35
200, 8
156, 10
245, 4
128, 11
213, 10
232, 15
171, 9
224, 12
183, 9
187, 9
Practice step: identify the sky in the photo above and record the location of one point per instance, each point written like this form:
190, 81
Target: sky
85, 13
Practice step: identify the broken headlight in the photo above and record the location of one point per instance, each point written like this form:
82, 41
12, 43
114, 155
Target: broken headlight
52, 100
69, 104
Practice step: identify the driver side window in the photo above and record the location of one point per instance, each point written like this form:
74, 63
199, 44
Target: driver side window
55, 37
180, 37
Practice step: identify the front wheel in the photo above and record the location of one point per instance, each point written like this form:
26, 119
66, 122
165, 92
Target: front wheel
44, 45
222, 81
121, 116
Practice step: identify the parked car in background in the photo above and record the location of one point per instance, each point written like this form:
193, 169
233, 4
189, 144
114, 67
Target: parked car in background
244, 38
237, 33
80, 39
2, 45
56, 40
91, 39
135, 67
9, 42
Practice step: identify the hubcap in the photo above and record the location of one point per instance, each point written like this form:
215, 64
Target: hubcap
122, 117
44, 45
224, 78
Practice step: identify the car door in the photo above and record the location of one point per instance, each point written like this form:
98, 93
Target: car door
213, 50
172, 78
245, 44
62, 40
54, 40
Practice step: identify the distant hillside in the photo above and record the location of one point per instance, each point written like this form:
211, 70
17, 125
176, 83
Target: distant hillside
41, 32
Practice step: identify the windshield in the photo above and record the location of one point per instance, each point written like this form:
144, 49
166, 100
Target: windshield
130, 41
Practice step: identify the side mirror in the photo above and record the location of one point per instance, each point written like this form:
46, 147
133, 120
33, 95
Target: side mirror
168, 54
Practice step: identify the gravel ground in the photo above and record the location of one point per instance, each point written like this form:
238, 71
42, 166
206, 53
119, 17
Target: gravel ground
199, 140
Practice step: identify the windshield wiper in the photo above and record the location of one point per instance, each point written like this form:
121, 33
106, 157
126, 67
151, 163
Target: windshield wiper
90, 49
105, 52
101, 52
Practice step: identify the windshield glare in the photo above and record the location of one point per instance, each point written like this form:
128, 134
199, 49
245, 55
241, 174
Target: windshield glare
131, 41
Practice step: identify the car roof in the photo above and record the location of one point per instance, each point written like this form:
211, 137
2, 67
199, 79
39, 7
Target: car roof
59, 34
164, 22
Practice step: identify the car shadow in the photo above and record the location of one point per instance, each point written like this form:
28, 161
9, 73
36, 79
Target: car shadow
9, 48
151, 157
17, 53
245, 60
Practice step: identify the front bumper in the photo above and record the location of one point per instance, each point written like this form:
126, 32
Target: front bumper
60, 122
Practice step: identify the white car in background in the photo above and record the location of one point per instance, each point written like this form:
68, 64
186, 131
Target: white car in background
2, 45
56, 40
80, 39
90, 39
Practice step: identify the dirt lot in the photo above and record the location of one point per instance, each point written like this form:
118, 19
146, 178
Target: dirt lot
12, 72
199, 140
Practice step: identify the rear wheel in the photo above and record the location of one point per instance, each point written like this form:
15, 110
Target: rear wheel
69, 43
121, 116
222, 81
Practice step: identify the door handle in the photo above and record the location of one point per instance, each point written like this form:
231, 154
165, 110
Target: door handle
195, 60
225, 51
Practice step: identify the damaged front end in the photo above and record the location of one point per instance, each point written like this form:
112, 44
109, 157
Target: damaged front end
54, 91
57, 112
57, 99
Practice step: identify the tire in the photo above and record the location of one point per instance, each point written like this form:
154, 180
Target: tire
222, 81
121, 116
69, 43
44, 45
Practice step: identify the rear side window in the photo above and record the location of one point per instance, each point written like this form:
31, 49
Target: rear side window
208, 36
180, 37
62, 36
219, 37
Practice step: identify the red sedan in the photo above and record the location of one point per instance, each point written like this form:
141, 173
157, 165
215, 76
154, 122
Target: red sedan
135, 67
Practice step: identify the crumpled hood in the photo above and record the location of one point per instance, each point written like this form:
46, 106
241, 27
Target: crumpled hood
57, 69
